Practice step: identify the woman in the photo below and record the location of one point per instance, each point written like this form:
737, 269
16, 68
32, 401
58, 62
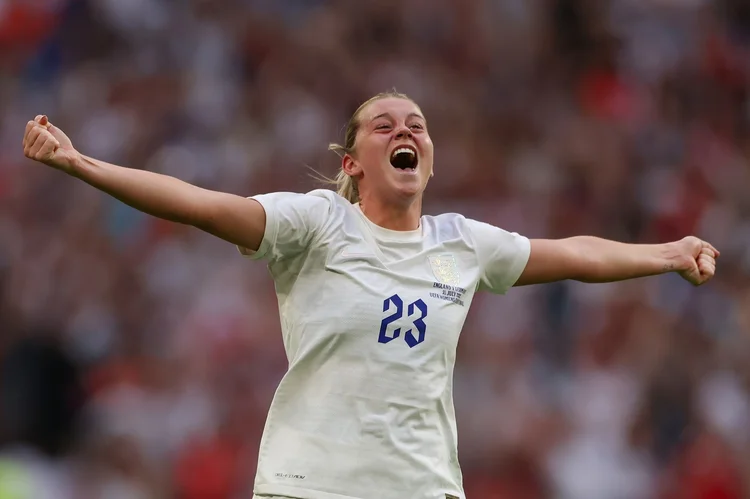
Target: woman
372, 297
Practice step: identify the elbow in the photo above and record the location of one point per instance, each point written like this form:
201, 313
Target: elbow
586, 263
204, 219
594, 269
206, 210
590, 275
560, 260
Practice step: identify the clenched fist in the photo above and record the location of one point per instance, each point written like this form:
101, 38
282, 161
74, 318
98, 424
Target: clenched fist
698, 260
44, 142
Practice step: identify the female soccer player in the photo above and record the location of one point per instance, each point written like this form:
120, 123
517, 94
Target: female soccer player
372, 297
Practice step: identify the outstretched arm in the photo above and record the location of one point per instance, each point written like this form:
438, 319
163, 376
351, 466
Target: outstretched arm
595, 260
233, 218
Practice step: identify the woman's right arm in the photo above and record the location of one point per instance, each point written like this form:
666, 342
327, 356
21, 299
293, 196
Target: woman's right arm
235, 219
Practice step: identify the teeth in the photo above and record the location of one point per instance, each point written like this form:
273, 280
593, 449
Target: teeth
403, 150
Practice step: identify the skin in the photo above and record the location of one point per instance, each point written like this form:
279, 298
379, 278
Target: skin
390, 198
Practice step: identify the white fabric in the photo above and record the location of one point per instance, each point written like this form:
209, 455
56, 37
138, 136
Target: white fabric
365, 410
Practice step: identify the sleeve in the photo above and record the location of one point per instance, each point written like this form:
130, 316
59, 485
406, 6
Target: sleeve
292, 221
502, 256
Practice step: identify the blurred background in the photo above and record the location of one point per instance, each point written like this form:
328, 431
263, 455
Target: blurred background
138, 358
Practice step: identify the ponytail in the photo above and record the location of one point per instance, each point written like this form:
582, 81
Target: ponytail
346, 186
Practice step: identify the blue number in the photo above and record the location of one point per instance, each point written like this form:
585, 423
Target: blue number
418, 323
396, 300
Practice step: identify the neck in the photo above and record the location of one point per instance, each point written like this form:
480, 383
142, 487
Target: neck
393, 217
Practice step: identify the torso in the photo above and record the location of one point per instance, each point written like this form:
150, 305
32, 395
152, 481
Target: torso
371, 320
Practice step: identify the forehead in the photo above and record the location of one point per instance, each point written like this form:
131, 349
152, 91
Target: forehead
398, 108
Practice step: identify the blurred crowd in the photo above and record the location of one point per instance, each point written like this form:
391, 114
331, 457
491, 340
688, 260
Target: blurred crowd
138, 358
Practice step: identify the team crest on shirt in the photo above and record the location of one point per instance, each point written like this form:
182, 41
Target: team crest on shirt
445, 269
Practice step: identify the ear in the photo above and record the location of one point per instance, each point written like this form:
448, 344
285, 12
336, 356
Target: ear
350, 166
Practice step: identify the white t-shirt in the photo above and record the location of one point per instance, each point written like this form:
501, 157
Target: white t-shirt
370, 320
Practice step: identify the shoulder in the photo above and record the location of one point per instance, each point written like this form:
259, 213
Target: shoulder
329, 212
318, 202
296, 222
330, 199
328, 195
316, 197
449, 225
474, 232
336, 206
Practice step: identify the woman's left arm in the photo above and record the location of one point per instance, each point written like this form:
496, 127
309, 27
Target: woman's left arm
595, 260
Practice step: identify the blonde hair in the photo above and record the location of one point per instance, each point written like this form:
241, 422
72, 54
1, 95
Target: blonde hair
346, 186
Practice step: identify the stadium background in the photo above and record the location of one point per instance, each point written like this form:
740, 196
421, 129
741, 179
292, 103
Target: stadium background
138, 358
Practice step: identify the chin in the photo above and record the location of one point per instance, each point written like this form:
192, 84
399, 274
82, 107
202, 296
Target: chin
408, 190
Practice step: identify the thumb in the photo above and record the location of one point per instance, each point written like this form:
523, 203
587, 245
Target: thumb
57, 133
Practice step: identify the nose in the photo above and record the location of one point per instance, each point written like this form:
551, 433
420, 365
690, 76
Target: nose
404, 133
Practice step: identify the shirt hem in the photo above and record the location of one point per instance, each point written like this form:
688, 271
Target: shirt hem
297, 492
516, 270
269, 234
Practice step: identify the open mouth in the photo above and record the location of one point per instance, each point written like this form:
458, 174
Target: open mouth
404, 158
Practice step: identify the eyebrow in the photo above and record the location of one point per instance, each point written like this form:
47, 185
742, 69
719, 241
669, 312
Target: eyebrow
388, 115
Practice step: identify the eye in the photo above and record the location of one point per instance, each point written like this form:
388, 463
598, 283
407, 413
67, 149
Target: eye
382, 126
417, 126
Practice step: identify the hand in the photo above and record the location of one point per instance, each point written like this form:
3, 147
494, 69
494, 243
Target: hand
44, 142
697, 260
